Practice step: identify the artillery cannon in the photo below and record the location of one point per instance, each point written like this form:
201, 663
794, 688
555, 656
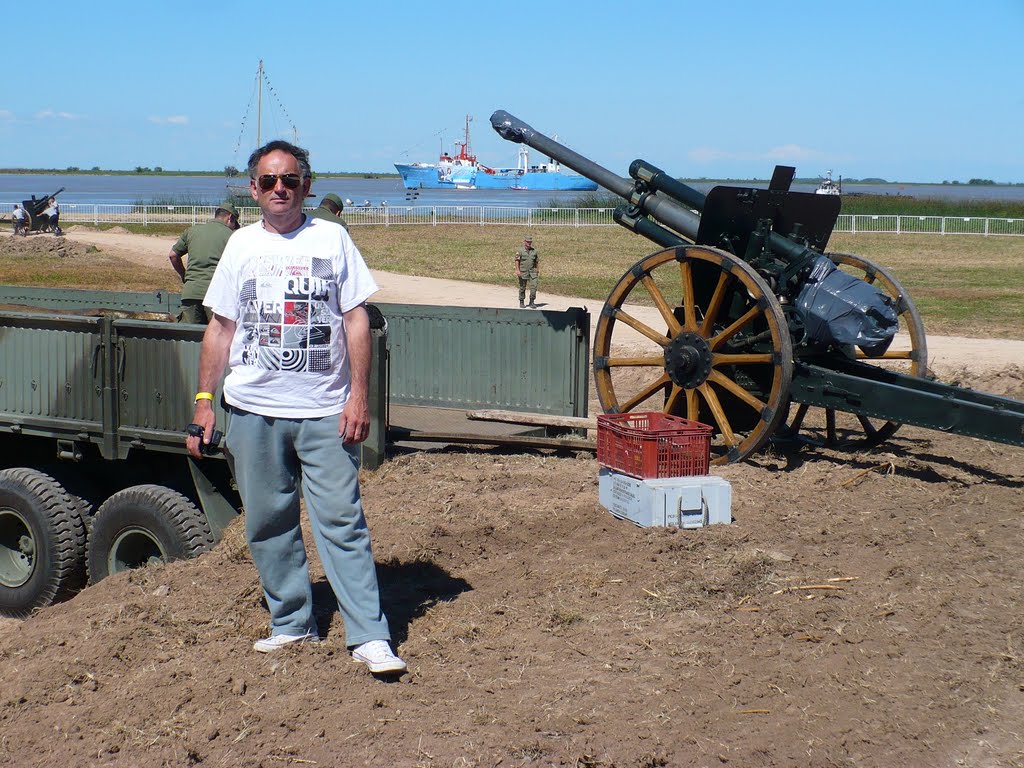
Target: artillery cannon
766, 335
34, 208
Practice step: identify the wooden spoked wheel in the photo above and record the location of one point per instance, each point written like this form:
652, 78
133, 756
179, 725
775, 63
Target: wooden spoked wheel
713, 348
908, 354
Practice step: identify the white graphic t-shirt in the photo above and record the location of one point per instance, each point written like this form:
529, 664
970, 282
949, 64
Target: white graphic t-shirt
287, 294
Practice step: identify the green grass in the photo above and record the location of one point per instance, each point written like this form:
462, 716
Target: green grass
886, 205
94, 271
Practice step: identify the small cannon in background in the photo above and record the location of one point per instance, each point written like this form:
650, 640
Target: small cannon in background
34, 208
766, 335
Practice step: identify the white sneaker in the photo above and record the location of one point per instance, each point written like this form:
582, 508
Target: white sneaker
275, 642
378, 656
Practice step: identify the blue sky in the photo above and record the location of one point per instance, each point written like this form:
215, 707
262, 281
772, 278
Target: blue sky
906, 91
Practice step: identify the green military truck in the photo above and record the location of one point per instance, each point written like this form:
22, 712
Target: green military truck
96, 389
95, 392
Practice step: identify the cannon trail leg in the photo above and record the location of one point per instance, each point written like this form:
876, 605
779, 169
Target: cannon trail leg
723, 356
907, 355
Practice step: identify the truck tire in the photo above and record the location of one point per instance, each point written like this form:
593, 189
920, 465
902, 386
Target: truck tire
143, 525
42, 541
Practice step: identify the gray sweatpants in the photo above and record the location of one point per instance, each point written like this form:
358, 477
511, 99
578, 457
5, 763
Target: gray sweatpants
269, 457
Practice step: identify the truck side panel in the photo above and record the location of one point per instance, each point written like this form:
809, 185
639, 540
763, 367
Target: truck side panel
51, 375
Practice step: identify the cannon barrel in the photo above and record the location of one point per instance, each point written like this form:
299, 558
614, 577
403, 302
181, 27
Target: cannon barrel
629, 216
513, 129
658, 195
668, 212
659, 181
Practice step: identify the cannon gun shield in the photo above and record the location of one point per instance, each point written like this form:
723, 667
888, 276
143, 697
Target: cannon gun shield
731, 215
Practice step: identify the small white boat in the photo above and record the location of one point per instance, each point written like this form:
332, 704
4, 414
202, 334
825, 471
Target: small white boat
828, 186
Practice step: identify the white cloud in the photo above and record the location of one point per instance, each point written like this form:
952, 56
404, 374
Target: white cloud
169, 120
48, 114
792, 152
6, 114
709, 155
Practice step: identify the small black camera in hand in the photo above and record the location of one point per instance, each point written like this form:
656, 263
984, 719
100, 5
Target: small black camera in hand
207, 449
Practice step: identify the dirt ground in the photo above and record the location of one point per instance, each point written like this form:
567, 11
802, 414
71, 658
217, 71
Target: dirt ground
861, 610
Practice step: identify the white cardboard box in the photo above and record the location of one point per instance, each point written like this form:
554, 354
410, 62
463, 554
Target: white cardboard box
676, 502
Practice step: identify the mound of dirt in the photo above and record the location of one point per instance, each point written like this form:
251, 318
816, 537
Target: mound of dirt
860, 610
1008, 381
46, 246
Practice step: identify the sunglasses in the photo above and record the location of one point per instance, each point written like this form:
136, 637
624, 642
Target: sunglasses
268, 181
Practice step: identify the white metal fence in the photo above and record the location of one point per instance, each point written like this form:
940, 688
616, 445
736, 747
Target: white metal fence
395, 215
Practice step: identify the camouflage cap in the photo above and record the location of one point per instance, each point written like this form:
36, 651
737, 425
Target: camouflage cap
228, 206
334, 199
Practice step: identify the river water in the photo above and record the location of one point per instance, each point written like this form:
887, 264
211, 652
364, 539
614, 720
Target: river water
140, 188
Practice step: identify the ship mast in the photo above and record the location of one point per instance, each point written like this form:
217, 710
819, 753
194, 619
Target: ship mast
259, 102
465, 152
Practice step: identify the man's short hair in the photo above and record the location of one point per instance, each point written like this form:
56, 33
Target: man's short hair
279, 145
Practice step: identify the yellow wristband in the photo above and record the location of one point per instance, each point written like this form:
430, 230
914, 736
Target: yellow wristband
204, 396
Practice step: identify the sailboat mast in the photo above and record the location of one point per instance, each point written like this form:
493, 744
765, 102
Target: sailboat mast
259, 102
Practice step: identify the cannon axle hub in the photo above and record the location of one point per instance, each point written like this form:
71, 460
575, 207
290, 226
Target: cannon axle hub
688, 360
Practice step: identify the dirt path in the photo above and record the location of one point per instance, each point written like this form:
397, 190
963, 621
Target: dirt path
946, 353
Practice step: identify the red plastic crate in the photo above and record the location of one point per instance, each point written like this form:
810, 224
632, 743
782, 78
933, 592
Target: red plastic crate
651, 444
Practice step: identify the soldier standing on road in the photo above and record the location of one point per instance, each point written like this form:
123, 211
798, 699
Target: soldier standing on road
528, 271
204, 243
330, 209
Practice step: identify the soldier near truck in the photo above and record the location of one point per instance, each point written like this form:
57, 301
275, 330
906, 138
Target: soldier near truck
204, 244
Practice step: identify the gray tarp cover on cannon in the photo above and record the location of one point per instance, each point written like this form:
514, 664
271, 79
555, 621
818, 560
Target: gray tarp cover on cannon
842, 309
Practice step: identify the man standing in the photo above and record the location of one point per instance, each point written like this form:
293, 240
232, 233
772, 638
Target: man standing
528, 271
204, 244
330, 209
288, 299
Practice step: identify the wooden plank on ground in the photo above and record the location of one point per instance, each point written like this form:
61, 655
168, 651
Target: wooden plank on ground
535, 419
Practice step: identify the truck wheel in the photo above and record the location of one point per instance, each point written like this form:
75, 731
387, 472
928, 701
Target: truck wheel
42, 541
144, 525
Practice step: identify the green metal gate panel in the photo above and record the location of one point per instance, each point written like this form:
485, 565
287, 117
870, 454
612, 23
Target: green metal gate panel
472, 357
158, 367
50, 373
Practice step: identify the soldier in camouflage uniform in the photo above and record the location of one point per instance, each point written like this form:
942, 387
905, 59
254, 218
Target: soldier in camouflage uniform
528, 271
